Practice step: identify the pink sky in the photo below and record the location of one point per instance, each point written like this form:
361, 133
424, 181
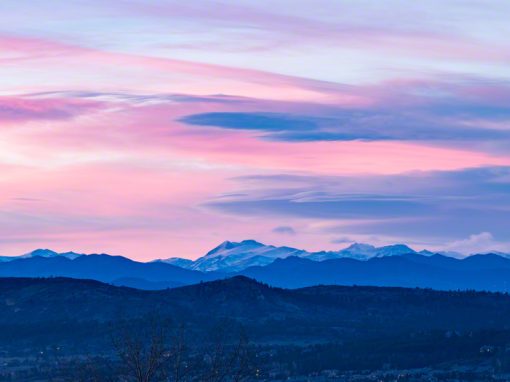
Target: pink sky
134, 139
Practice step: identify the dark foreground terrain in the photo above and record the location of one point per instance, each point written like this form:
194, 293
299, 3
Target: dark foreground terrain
52, 328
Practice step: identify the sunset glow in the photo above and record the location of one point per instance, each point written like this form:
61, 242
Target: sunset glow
156, 129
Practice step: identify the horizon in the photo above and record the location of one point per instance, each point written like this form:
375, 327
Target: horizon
152, 129
452, 254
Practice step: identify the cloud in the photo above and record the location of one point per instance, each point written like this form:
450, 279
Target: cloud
348, 125
483, 242
139, 99
341, 207
436, 204
58, 57
342, 240
447, 113
284, 230
415, 30
251, 121
23, 108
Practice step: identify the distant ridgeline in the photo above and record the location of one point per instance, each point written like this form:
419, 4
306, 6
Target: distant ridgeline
358, 264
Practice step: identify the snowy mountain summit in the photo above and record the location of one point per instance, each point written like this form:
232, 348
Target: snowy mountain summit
41, 253
236, 256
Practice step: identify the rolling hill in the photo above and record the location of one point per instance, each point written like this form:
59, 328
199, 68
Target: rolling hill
302, 331
317, 313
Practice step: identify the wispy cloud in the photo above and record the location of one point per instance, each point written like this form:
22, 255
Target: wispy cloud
415, 205
483, 242
25, 108
284, 230
470, 112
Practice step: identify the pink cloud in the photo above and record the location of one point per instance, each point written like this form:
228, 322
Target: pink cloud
23, 108
379, 32
81, 63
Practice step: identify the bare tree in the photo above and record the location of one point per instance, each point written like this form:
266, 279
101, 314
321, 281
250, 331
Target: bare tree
180, 366
147, 354
153, 352
94, 369
226, 361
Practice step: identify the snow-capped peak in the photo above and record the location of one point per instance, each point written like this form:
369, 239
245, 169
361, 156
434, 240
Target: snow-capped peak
41, 252
226, 246
234, 256
394, 250
49, 253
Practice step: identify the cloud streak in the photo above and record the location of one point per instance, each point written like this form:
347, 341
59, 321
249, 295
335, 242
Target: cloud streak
436, 112
26, 109
415, 206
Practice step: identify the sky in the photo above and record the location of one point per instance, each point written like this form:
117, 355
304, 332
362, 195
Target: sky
160, 128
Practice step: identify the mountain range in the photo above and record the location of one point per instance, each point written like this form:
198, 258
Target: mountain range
115, 270
358, 264
235, 257
479, 272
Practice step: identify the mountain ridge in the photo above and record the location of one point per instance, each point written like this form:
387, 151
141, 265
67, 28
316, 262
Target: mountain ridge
230, 256
479, 272
104, 268
236, 256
